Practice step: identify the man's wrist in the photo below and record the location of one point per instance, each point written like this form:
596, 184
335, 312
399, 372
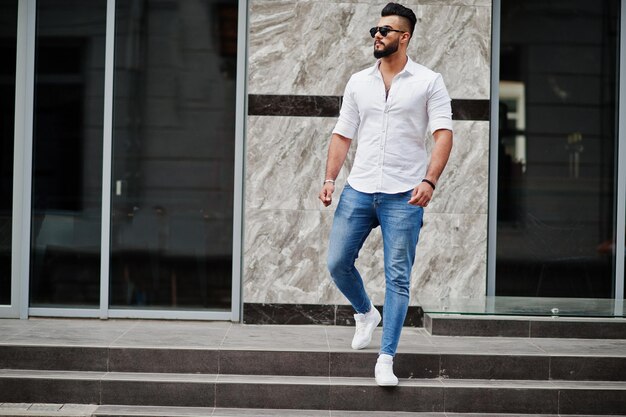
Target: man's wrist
329, 181
429, 182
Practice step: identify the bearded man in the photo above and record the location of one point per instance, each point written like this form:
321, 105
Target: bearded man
389, 107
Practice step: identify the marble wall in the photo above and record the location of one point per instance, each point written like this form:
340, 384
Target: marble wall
312, 47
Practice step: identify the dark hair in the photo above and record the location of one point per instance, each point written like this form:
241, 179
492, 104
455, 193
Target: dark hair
395, 9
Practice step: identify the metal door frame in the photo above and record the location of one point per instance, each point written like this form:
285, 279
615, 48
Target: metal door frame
22, 160
620, 191
22, 181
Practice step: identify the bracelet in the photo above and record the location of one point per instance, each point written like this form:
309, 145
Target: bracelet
331, 181
429, 183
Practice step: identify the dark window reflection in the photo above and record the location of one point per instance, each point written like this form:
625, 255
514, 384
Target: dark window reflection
558, 120
174, 141
8, 41
67, 161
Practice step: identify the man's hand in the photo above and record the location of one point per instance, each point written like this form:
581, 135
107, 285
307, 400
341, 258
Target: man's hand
326, 195
422, 194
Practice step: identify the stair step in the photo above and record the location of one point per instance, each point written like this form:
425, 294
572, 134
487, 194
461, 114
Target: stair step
573, 361
314, 393
125, 411
117, 411
46, 410
520, 326
79, 410
150, 367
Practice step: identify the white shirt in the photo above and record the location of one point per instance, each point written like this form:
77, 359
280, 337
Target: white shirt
391, 152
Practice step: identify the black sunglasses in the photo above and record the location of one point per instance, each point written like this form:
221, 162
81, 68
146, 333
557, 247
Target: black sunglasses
384, 31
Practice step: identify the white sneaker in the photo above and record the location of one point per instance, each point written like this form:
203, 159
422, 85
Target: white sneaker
365, 325
384, 371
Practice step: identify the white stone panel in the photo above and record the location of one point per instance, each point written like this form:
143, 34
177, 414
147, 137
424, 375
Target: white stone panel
286, 160
463, 186
281, 257
310, 47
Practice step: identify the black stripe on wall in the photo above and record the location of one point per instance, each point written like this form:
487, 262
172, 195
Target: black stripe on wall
328, 106
465, 109
326, 314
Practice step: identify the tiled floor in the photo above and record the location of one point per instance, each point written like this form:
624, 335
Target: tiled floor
227, 336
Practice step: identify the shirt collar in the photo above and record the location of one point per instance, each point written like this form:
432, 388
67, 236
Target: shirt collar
410, 68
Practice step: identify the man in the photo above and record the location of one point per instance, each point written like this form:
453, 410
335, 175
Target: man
388, 107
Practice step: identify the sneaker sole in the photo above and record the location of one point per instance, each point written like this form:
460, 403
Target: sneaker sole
386, 384
362, 347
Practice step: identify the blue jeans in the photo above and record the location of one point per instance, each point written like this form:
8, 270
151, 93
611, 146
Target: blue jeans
356, 215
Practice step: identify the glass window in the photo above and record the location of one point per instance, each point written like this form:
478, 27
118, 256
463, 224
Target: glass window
173, 162
557, 148
67, 160
8, 41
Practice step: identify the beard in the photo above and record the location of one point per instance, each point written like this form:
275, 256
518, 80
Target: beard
389, 49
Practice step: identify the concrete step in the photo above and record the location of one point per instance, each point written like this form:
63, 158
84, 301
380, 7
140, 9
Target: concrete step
141, 411
566, 361
47, 410
78, 410
313, 393
274, 370
520, 326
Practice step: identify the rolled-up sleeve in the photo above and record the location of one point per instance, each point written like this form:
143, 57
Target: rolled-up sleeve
348, 122
439, 107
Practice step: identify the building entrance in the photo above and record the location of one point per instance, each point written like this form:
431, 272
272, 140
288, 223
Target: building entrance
556, 150
131, 179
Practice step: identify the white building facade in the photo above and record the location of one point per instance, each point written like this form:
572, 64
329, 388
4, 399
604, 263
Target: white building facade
162, 158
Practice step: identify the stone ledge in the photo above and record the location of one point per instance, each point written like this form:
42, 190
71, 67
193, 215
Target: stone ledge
525, 326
